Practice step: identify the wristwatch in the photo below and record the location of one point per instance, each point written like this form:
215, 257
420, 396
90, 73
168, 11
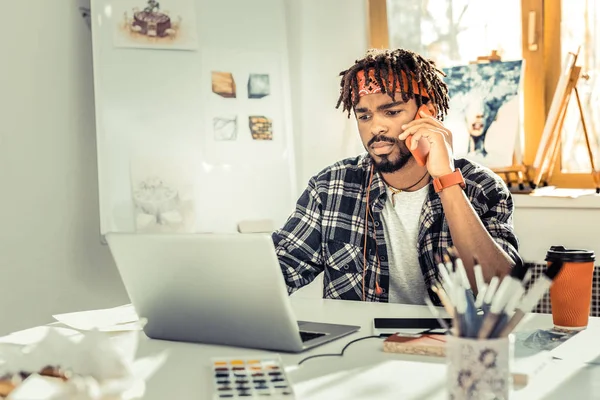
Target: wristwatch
454, 178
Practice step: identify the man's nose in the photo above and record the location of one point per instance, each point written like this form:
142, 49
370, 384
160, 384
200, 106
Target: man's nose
378, 127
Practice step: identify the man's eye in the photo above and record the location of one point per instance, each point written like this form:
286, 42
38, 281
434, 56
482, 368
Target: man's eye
393, 112
364, 117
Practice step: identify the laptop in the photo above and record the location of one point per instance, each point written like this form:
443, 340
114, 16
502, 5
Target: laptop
225, 289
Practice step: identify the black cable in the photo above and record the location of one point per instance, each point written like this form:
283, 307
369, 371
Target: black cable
343, 350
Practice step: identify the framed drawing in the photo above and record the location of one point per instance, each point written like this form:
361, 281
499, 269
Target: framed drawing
485, 108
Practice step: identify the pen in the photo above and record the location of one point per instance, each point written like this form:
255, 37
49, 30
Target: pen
489, 293
537, 291
499, 326
462, 273
473, 320
511, 287
461, 316
527, 277
446, 282
499, 301
480, 296
436, 314
510, 307
479, 279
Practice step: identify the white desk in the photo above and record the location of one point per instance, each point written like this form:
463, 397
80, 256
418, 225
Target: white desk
187, 375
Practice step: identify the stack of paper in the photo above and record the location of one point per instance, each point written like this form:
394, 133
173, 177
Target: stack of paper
581, 348
117, 319
553, 191
34, 335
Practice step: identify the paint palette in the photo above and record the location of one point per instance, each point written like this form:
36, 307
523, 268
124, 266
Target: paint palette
250, 378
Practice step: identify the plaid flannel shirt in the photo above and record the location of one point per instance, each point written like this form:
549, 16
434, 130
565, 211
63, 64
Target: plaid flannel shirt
326, 231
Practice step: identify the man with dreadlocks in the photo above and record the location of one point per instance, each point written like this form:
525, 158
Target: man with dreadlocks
378, 225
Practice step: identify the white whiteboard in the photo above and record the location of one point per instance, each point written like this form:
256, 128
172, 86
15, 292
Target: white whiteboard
155, 117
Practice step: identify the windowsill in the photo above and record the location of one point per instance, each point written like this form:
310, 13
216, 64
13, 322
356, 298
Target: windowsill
583, 202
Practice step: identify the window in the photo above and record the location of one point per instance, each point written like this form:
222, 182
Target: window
580, 27
456, 32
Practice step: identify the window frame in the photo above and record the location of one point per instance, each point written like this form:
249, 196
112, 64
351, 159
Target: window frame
538, 87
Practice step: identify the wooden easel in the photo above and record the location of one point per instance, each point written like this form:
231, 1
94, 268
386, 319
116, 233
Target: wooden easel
518, 172
549, 148
493, 57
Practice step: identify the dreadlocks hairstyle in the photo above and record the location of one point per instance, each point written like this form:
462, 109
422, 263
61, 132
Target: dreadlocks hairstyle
391, 63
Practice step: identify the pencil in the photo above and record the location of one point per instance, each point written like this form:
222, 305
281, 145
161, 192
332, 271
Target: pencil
436, 314
444, 299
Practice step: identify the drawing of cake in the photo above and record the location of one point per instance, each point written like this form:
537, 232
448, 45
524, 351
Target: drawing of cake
152, 22
157, 203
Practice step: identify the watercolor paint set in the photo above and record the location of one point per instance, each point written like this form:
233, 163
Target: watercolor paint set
250, 378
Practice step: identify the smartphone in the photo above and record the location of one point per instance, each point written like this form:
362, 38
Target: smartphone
390, 326
422, 151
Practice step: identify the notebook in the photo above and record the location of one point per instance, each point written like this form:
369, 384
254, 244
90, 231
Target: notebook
528, 361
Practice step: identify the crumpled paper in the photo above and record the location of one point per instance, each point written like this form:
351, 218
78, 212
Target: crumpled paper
101, 367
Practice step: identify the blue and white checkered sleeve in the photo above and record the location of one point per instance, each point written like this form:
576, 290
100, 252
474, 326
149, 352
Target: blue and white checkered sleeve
298, 243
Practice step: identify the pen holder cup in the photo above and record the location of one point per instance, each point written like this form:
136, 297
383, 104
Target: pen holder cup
479, 369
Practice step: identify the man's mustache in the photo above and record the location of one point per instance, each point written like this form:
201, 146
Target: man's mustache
382, 138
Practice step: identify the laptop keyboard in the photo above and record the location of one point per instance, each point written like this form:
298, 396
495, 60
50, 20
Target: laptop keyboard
306, 336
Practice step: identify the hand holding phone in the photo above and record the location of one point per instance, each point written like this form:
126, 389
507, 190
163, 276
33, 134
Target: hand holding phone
422, 151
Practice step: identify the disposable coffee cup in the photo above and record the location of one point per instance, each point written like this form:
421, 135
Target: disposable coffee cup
571, 290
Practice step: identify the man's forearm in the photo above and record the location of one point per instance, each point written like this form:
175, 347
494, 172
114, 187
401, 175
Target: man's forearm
471, 238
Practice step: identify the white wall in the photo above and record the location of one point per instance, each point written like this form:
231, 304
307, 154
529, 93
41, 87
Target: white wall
544, 222
51, 259
325, 37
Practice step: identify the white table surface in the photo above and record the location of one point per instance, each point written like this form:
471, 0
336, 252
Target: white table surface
365, 371
187, 373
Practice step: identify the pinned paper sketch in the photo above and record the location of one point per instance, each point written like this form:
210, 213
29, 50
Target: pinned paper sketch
225, 128
163, 197
261, 128
223, 84
258, 86
484, 114
168, 24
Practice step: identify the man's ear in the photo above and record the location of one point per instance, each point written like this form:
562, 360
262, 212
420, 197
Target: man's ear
432, 108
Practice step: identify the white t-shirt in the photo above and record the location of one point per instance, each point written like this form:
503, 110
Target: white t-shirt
401, 227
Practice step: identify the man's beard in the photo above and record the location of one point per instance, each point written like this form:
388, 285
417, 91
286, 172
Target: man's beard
388, 165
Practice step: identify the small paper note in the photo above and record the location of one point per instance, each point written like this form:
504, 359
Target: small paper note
35, 335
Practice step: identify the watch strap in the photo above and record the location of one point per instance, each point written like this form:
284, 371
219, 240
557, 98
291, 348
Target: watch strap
454, 178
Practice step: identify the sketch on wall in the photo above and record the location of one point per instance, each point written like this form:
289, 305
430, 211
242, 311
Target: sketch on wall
168, 24
242, 86
485, 108
258, 86
261, 128
163, 196
223, 84
225, 127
